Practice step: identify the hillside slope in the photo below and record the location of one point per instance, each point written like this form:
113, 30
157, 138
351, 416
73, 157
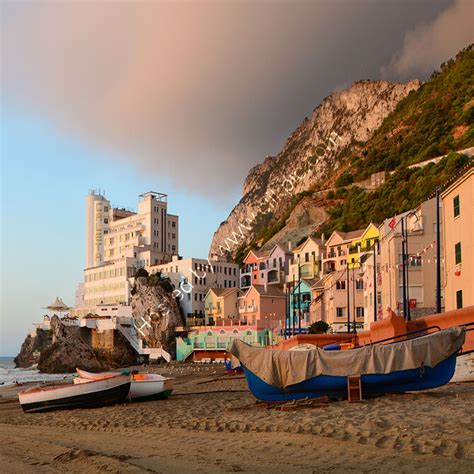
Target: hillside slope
380, 127
309, 159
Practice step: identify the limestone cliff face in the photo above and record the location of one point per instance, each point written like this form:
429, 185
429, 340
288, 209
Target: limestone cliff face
310, 158
156, 314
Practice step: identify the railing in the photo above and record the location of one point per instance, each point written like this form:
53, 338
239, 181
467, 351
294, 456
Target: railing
187, 351
133, 340
410, 333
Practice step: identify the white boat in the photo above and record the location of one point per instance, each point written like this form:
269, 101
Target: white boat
464, 368
143, 386
93, 394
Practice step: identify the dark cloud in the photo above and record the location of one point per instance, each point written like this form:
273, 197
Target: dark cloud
200, 91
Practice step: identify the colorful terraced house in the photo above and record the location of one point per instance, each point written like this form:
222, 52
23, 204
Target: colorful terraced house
221, 305
265, 267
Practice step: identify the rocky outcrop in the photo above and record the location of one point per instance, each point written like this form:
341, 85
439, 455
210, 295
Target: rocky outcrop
67, 351
156, 315
310, 159
31, 348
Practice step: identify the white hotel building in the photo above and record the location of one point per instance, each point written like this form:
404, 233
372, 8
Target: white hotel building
192, 278
119, 241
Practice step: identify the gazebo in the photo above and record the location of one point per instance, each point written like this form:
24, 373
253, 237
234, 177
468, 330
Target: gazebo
58, 305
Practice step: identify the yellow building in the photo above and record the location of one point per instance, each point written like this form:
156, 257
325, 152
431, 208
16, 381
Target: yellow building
362, 245
458, 246
221, 304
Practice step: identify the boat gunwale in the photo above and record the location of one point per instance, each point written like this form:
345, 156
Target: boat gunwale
37, 389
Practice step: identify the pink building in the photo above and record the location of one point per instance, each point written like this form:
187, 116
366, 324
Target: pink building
265, 267
262, 305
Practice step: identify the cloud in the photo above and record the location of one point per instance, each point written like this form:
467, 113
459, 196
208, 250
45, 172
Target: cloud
195, 91
430, 44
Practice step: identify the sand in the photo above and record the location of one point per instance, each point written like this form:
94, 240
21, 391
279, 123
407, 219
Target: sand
213, 424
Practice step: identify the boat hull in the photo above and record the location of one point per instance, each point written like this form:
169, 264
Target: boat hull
143, 386
372, 384
150, 389
464, 368
88, 395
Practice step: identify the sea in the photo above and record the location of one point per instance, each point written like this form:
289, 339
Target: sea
9, 375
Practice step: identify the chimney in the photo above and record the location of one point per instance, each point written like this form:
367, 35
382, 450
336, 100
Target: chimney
289, 246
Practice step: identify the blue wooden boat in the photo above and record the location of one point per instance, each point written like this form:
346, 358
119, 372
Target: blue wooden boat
335, 386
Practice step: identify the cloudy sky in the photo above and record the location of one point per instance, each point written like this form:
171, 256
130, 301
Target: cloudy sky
179, 97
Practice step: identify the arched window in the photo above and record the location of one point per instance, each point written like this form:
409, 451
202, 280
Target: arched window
249, 333
209, 333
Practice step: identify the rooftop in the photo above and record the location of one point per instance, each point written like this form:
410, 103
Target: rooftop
154, 195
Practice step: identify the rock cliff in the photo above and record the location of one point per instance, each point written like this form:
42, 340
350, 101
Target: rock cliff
156, 314
31, 348
67, 351
310, 160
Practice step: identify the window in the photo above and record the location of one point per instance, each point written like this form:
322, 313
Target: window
360, 312
340, 312
457, 253
459, 299
306, 257
456, 206
359, 284
173, 224
340, 285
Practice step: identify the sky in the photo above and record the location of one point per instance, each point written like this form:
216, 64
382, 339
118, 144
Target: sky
175, 97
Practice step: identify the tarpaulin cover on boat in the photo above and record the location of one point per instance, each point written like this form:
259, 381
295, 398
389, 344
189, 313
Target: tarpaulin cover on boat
283, 368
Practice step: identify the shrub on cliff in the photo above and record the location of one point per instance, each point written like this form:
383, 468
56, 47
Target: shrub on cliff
141, 272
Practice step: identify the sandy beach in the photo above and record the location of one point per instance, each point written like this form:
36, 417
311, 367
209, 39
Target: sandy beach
213, 424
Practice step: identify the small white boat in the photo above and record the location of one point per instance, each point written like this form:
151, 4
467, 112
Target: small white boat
143, 386
464, 368
93, 394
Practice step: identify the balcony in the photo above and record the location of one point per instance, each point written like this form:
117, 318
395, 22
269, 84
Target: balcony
245, 280
274, 276
248, 309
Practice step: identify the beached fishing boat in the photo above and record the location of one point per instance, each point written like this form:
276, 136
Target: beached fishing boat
143, 386
417, 363
93, 394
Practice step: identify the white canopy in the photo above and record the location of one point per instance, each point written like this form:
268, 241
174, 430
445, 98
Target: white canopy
58, 305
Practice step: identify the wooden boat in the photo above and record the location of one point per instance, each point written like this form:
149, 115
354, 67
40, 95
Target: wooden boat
143, 386
93, 394
418, 363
